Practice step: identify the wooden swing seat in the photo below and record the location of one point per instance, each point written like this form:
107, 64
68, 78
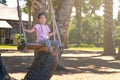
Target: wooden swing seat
33, 46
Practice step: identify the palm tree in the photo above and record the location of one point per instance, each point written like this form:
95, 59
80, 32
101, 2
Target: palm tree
108, 27
84, 7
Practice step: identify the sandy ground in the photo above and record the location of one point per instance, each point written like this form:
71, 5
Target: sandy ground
80, 65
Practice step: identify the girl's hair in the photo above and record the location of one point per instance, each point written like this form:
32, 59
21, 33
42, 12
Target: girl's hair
41, 14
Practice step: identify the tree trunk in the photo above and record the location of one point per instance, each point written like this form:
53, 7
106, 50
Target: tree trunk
63, 15
42, 67
108, 27
38, 6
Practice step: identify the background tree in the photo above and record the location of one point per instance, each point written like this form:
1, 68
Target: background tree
108, 27
91, 30
117, 30
117, 35
84, 7
63, 15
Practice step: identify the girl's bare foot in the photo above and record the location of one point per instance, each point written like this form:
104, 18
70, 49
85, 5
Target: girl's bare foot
53, 52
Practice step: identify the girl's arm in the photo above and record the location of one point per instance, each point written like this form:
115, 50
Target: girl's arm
51, 34
30, 31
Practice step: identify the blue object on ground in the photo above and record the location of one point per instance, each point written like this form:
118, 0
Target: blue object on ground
3, 71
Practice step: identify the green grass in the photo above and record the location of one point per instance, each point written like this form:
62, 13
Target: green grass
8, 47
71, 48
82, 48
89, 49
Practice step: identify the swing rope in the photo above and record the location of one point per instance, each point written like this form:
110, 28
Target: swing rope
53, 23
55, 27
21, 24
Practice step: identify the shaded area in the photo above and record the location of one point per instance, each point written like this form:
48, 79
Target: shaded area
3, 72
42, 67
89, 62
15, 64
73, 62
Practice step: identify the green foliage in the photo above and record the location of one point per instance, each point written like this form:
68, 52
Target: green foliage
25, 10
88, 6
17, 37
117, 31
72, 32
8, 47
117, 35
91, 31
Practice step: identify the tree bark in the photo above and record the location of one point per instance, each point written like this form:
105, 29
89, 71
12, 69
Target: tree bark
63, 15
38, 6
108, 27
42, 67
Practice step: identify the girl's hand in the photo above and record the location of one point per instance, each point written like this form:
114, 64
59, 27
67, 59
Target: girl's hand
55, 31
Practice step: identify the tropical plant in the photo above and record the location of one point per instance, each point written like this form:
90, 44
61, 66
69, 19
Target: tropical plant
85, 7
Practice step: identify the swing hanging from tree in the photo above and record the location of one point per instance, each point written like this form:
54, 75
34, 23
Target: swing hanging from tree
34, 46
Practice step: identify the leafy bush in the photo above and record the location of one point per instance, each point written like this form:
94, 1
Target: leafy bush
17, 37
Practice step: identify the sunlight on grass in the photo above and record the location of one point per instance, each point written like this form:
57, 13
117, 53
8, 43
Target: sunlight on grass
8, 47
71, 48
89, 49
81, 48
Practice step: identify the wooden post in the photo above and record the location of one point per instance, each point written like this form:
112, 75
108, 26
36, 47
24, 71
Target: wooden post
42, 67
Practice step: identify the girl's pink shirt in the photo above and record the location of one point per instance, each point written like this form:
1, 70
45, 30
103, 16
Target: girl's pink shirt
42, 31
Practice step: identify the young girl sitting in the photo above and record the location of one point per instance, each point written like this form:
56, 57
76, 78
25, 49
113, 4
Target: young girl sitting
42, 31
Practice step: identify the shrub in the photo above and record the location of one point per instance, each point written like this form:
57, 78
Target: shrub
17, 36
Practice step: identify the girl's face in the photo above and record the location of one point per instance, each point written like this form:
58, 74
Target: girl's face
42, 19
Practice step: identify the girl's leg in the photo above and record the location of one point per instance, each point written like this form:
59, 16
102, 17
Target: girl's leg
57, 45
47, 43
49, 46
57, 50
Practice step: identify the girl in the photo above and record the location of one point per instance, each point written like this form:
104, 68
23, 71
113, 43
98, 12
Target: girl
43, 33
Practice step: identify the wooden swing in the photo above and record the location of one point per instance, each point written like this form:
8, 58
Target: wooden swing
34, 46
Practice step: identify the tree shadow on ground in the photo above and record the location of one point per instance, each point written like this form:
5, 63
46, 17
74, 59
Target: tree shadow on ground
73, 65
90, 64
17, 64
81, 52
